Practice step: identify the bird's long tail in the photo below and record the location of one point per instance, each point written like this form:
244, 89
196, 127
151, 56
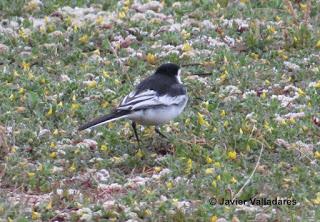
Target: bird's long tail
119, 114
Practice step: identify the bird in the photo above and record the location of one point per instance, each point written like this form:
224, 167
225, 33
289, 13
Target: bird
156, 100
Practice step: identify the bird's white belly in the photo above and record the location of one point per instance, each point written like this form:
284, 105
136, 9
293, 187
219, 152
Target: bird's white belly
157, 116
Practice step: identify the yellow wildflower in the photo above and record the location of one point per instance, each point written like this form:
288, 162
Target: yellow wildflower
31, 6
223, 113
11, 97
103, 147
42, 29
105, 104
292, 120
96, 52
284, 57
271, 29
67, 21
21, 90
318, 44
139, 154
301, 92
223, 76
157, 169
214, 218
185, 34
209, 160
187, 121
14, 149
77, 151
127, 3
31, 174
201, 120
147, 213
75, 28
91, 84
53, 155
49, 205
84, 39
51, 27
35, 215
25, 66
317, 154
205, 104
169, 185
317, 199
105, 74
50, 112
214, 184
75, 106
151, 58
117, 82
42, 80
317, 85
267, 82
232, 155
303, 6
267, 126
209, 171
282, 54
188, 166
233, 180
186, 47
283, 122
30, 76
16, 74
125, 9
122, 14
99, 20
72, 168
254, 56
217, 164
22, 34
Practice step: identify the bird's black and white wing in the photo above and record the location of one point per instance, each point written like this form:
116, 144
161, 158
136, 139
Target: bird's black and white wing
151, 99
135, 98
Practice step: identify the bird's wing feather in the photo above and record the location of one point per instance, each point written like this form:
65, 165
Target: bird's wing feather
134, 98
157, 101
148, 99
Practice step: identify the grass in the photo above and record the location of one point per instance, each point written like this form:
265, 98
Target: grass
65, 71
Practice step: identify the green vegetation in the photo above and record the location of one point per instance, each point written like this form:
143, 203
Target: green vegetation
65, 62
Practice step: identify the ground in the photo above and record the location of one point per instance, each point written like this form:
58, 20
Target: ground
250, 130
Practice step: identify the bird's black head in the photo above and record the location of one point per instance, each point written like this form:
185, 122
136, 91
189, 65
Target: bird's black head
169, 69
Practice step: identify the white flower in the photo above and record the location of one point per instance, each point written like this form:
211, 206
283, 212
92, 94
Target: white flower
291, 66
102, 175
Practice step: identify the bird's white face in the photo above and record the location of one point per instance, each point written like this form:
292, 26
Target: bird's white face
178, 76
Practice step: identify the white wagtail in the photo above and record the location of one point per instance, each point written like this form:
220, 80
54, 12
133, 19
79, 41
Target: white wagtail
156, 100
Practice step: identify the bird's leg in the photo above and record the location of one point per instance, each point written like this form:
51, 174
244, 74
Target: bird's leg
134, 126
158, 131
